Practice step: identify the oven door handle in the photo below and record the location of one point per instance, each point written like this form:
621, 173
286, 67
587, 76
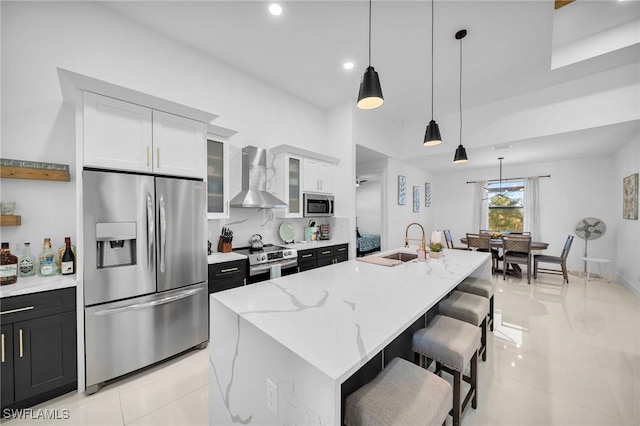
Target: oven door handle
255, 270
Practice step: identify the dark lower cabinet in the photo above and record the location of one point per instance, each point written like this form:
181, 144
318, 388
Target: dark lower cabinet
306, 260
226, 275
39, 359
332, 254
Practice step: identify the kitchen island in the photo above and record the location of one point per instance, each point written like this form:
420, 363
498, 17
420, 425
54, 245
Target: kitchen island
282, 351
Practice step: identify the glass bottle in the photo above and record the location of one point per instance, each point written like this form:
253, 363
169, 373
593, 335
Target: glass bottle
68, 259
8, 265
47, 264
27, 262
61, 251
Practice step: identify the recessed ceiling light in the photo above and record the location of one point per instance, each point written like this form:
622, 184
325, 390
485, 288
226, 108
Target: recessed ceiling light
348, 65
498, 147
275, 9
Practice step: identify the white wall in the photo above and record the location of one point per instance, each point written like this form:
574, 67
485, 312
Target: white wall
369, 207
398, 216
627, 232
38, 37
576, 189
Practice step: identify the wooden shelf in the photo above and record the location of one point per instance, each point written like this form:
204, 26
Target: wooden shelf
10, 220
35, 174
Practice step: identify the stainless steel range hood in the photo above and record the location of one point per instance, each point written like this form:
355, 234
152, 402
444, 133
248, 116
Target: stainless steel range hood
254, 182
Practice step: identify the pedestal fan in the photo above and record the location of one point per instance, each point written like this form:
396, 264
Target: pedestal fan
589, 228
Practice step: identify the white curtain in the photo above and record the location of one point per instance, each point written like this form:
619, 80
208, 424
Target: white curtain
532, 207
481, 206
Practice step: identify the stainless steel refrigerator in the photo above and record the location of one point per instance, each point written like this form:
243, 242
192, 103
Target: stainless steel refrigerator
145, 271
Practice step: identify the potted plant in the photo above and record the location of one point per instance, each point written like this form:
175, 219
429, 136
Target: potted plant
436, 250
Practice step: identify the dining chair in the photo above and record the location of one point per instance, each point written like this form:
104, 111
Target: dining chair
517, 250
561, 260
449, 240
482, 242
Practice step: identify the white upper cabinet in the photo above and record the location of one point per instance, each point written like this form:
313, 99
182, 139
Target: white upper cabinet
318, 176
124, 136
117, 134
179, 145
288, 184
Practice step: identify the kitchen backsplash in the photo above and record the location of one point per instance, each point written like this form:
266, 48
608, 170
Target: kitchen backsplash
246, 222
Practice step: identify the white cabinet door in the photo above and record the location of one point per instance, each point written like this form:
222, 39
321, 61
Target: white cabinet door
289, 184
117, 134
318, 176
325, 176
179, 146
217, 179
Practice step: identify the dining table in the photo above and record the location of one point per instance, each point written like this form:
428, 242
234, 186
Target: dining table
515, 270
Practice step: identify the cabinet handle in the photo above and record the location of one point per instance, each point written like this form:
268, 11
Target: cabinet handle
244, 281
228, 270
147, 155
158, 157
342, 249
13, 311
320, 183
21, 352
306, 255
326, 252
2, 347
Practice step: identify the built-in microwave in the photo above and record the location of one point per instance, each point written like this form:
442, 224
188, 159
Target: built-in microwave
316, 205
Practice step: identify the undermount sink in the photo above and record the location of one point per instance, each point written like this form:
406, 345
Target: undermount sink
401, 256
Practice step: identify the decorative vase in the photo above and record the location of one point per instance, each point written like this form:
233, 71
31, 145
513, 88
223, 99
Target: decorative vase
435, 254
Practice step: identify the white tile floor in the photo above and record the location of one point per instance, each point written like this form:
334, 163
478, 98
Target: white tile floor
559, 355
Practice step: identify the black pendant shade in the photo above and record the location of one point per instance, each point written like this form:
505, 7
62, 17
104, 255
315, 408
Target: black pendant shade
432, 135
461, 155
370, 94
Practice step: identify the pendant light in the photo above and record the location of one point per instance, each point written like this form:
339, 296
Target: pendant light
461, 153
370, 94
432, 135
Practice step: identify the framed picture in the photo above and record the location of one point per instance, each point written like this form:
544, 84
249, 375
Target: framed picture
427, 194
630, 197
416, 199
402, 190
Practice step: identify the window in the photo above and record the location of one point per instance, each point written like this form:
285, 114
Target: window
506, 205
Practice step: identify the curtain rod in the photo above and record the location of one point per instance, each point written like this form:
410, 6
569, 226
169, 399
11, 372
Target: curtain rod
498, 180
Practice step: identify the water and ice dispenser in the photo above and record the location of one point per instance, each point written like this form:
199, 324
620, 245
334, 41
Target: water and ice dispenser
115, 244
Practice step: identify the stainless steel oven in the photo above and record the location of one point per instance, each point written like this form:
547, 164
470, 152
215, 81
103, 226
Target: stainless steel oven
262, 262
318, 205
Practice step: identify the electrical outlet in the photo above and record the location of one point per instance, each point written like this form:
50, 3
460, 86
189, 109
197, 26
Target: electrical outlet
272, 397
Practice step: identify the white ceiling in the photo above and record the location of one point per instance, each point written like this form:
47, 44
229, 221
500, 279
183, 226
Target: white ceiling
506, 53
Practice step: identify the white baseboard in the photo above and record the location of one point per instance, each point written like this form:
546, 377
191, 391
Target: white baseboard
634, 290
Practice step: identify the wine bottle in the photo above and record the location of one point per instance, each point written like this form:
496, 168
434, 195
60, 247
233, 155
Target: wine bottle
47, 265
68, 260
60, 253
8, 265
27, 262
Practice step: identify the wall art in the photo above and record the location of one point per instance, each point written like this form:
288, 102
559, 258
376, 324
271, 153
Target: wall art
416, 199
402, 190
630, 197
427, 194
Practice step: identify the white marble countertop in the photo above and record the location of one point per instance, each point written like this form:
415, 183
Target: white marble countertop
302, 245
37, 284
217, 257
339, 316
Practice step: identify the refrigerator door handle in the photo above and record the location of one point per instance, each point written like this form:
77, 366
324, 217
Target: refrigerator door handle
163, 234
164, 300
150, 232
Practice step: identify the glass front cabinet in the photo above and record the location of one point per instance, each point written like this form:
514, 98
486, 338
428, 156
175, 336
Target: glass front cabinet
217, 185
289, 184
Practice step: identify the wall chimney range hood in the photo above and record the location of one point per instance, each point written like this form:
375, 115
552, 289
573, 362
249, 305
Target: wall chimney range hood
254, 182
